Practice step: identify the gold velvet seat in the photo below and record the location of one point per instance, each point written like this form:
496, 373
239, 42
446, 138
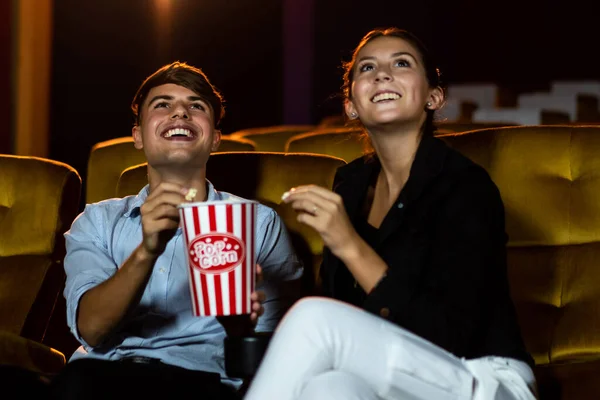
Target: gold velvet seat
455, 126
109, 158
549, 178
38, 201
345, 143
263, 176
272, 138
106, 161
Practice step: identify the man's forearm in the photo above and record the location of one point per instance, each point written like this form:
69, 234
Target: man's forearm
103, 308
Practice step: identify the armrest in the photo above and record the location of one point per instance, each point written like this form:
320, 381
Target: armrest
243, 354
27, 354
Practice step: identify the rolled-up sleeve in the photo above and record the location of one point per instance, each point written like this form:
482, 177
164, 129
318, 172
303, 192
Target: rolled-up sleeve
87, 262
280, 264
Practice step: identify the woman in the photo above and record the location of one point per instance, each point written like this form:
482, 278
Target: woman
415, 258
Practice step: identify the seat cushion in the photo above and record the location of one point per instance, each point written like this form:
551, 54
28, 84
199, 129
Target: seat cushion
21, 280
569, 381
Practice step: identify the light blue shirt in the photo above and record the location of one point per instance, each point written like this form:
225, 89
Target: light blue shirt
105, 234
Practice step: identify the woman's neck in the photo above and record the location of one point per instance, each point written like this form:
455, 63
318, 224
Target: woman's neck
396, 152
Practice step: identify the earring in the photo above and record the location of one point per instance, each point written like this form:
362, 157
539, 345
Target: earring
353, 115
428, 104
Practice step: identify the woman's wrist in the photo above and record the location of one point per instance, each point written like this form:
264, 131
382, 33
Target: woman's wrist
351, 250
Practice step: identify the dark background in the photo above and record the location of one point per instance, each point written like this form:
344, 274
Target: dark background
103, 49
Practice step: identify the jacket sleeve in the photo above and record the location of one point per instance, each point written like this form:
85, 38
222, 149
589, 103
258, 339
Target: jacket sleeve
463, 266
325, 287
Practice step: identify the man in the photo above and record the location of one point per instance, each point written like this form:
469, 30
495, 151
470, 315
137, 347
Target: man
127, 290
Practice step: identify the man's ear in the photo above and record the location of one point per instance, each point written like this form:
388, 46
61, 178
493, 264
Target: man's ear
136, 132
216, 140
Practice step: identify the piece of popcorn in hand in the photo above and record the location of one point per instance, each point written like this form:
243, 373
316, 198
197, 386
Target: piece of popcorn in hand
191, 194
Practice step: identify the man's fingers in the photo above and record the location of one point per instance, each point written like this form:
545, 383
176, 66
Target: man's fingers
171, 199
258, 295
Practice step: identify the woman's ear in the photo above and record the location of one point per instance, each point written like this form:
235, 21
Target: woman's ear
350, 109
436, 99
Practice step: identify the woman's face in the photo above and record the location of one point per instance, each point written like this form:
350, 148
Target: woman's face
390, 84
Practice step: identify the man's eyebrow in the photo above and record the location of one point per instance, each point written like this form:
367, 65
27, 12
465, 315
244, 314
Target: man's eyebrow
160, 97
168, 97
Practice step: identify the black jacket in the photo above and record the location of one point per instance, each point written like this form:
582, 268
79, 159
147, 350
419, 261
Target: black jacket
444, 241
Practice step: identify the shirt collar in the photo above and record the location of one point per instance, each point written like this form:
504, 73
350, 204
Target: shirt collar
134, 207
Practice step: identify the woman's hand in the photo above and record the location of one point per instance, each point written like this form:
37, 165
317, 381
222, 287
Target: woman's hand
324, 211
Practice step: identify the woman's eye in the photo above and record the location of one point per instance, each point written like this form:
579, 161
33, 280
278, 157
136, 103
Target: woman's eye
402, 63
366, 67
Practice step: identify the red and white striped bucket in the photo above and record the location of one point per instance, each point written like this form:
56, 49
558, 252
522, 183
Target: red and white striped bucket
219, 240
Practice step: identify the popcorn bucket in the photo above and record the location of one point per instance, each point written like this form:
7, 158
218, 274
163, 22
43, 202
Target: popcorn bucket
219, 242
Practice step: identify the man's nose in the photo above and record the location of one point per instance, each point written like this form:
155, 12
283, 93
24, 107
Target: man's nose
179, 111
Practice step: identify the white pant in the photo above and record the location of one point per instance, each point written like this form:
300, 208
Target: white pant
326, 349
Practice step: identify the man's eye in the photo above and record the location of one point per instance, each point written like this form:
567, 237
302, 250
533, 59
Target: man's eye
162, 104
197, 106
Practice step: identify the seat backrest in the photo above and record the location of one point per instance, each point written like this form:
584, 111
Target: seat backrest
344, 143
332, 121
272, 138
549, 178
263, 176
39, 198
106, 161
109, 158
455, 126
229, 143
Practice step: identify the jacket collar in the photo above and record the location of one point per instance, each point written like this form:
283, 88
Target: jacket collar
355, 178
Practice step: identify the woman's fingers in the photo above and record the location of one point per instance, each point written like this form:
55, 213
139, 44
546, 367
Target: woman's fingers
315, 189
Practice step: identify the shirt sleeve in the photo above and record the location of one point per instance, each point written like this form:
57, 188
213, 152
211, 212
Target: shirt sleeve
280, 265
87, 262
466, 262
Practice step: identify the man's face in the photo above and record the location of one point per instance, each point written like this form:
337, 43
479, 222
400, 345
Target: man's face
176, 128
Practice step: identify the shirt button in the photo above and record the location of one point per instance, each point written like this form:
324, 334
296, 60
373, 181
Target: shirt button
400, 205
161, 270
384, 312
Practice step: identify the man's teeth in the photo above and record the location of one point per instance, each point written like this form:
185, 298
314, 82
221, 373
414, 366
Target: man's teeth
385, 96
178, 132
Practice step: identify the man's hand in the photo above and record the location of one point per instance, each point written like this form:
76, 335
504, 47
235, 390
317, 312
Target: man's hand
160, 216
243, 325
